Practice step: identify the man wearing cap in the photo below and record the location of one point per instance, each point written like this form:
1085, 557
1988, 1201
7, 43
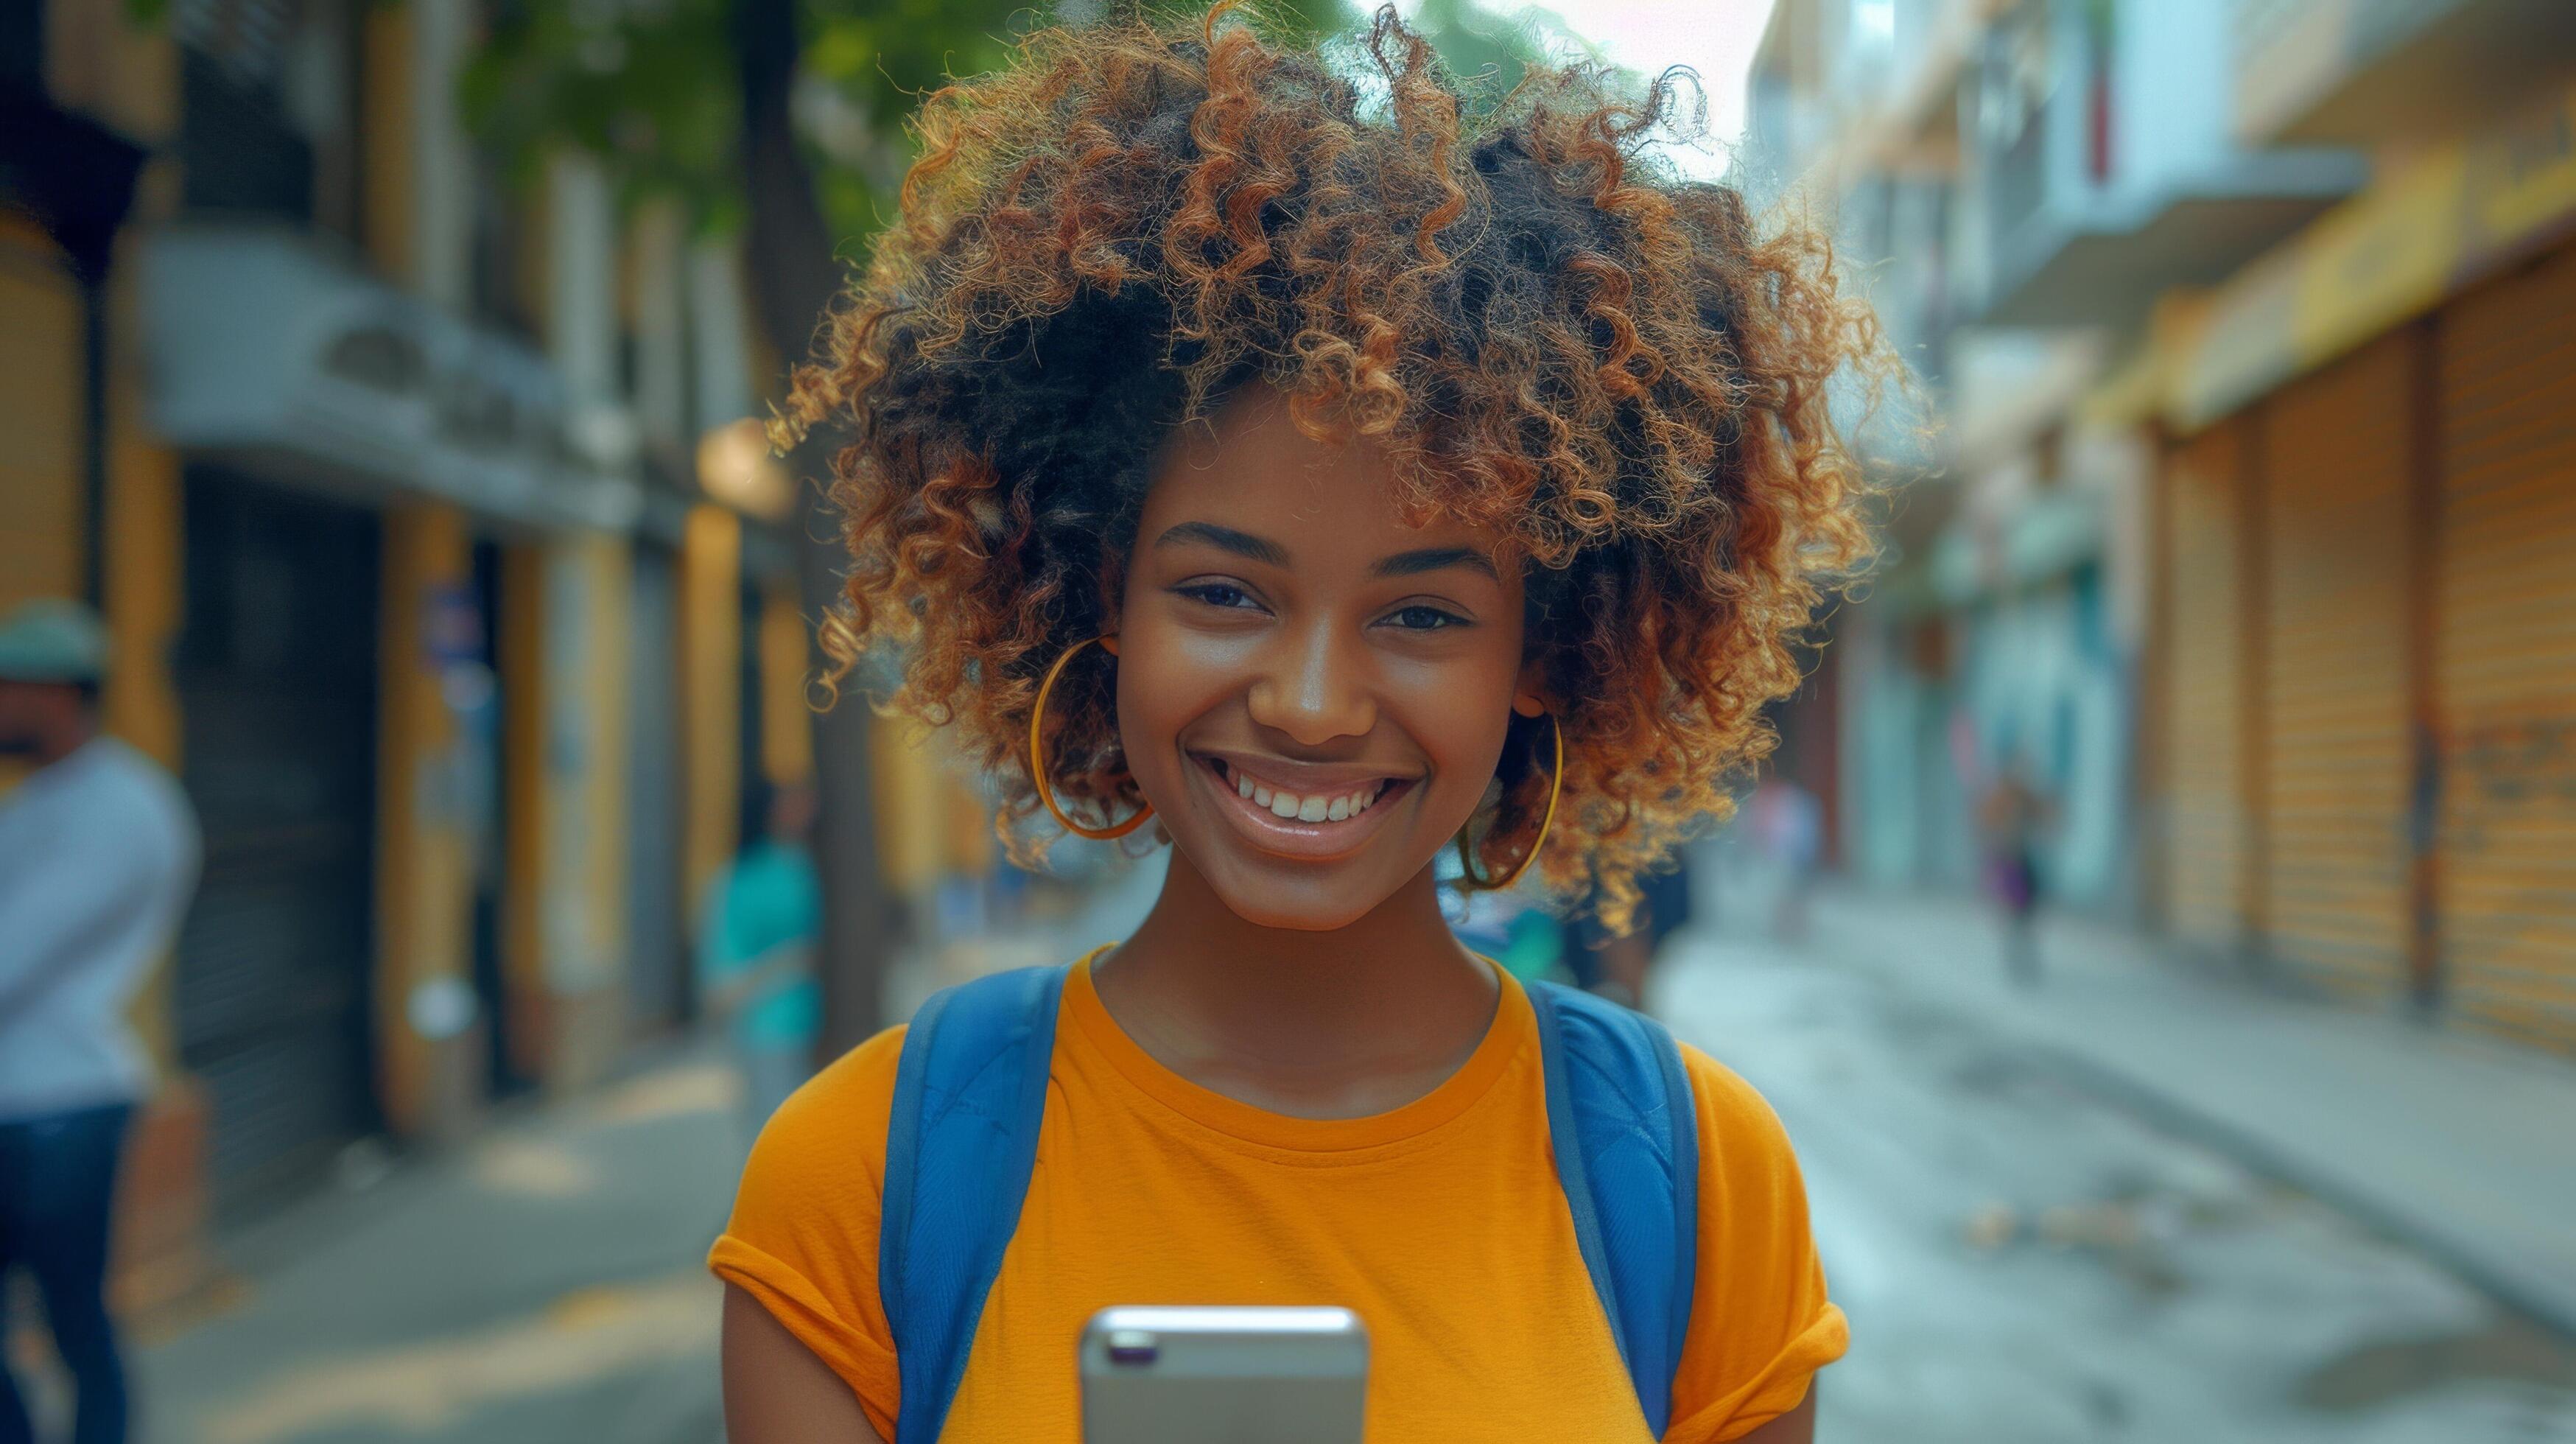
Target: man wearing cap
98, 854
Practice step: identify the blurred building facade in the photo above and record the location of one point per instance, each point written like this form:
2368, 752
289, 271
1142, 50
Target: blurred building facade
444, 562
2247, 532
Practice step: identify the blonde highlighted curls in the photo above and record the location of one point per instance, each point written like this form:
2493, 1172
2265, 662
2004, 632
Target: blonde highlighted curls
1550, 332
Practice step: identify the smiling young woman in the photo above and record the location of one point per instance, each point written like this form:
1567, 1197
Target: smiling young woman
1246, 446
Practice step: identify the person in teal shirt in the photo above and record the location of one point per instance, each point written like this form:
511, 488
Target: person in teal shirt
756, 948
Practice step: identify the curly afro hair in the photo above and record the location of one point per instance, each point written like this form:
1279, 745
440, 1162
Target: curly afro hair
1550, 332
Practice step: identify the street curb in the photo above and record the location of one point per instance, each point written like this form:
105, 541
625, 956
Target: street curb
2550, 1305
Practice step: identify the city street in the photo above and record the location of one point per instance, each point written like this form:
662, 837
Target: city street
502, 656
2024, 1260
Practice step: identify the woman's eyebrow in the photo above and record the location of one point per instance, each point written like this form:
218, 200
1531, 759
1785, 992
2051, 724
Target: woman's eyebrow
1433, 559
1225, 539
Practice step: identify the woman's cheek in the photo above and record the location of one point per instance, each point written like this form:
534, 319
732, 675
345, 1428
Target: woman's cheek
1459, 722
1158, 697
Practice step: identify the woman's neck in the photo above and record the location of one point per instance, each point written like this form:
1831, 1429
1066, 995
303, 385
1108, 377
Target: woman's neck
1344, 1023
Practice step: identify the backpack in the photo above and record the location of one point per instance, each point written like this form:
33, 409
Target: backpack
970, 1091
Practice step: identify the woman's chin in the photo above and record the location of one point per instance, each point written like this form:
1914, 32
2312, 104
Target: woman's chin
1293, 920
1318, 903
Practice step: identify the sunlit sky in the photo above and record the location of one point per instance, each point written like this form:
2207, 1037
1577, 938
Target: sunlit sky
1714, 37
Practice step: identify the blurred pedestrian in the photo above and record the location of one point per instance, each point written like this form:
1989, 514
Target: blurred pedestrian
2012, 815
98, 855
756, 950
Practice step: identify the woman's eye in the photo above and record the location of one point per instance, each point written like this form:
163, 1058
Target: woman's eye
1217, 594
1421, 618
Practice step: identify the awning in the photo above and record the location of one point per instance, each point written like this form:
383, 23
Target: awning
266, 351
2449, 217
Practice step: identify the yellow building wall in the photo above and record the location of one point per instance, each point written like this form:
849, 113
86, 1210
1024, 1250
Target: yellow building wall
591, 820
564, 684
931, 822
41, 514
527, 805
143, 560
786, 711
903, 778
710, 671
424, 874
385, 102
971, 845
110, 60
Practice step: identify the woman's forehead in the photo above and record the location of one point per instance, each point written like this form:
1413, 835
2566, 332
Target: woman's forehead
1250, 467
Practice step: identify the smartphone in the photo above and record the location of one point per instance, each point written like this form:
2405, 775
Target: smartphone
1224, 1376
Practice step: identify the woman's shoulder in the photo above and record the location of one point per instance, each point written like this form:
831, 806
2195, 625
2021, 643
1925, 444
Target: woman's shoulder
802, 1240
1761, 1323
836, 1121
861, 1079
1736, 1123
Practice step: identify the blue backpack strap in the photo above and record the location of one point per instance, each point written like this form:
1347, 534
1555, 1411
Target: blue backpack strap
969, 1094
1625, 1131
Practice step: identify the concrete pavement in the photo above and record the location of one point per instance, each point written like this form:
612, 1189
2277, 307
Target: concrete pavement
2464, 1145
2025, 1260
541, 1284
544, 1283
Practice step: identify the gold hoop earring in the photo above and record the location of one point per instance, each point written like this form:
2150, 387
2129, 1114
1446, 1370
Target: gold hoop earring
1547, 819
1037, 760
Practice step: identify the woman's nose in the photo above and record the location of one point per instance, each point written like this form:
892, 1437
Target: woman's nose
1310, 689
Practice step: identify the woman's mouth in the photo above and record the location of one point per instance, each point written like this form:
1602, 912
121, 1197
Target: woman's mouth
1312, 820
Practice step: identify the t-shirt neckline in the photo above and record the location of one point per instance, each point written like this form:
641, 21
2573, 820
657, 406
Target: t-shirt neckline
1512, 1027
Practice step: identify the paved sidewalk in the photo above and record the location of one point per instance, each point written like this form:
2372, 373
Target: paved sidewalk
2462, 1145
540, 1284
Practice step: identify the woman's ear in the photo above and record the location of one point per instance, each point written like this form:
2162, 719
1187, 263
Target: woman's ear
1109, 643
1526, 698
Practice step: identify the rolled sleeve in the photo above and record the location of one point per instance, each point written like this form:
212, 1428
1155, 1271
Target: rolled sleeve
1761, 1324
803, 1237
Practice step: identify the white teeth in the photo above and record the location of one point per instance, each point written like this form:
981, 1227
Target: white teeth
1305, 809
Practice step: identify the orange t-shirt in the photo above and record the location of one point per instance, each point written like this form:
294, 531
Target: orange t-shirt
1441, 1224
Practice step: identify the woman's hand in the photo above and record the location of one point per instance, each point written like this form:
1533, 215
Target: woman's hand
776, 1391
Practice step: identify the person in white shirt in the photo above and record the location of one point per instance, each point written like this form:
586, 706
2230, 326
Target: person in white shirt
98, 856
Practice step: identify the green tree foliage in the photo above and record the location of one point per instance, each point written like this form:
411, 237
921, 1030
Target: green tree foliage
651, 85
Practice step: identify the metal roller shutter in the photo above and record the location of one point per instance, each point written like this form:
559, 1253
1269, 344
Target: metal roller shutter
2208, 839
2506, 652
276, 678
657, 963
2335, 856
